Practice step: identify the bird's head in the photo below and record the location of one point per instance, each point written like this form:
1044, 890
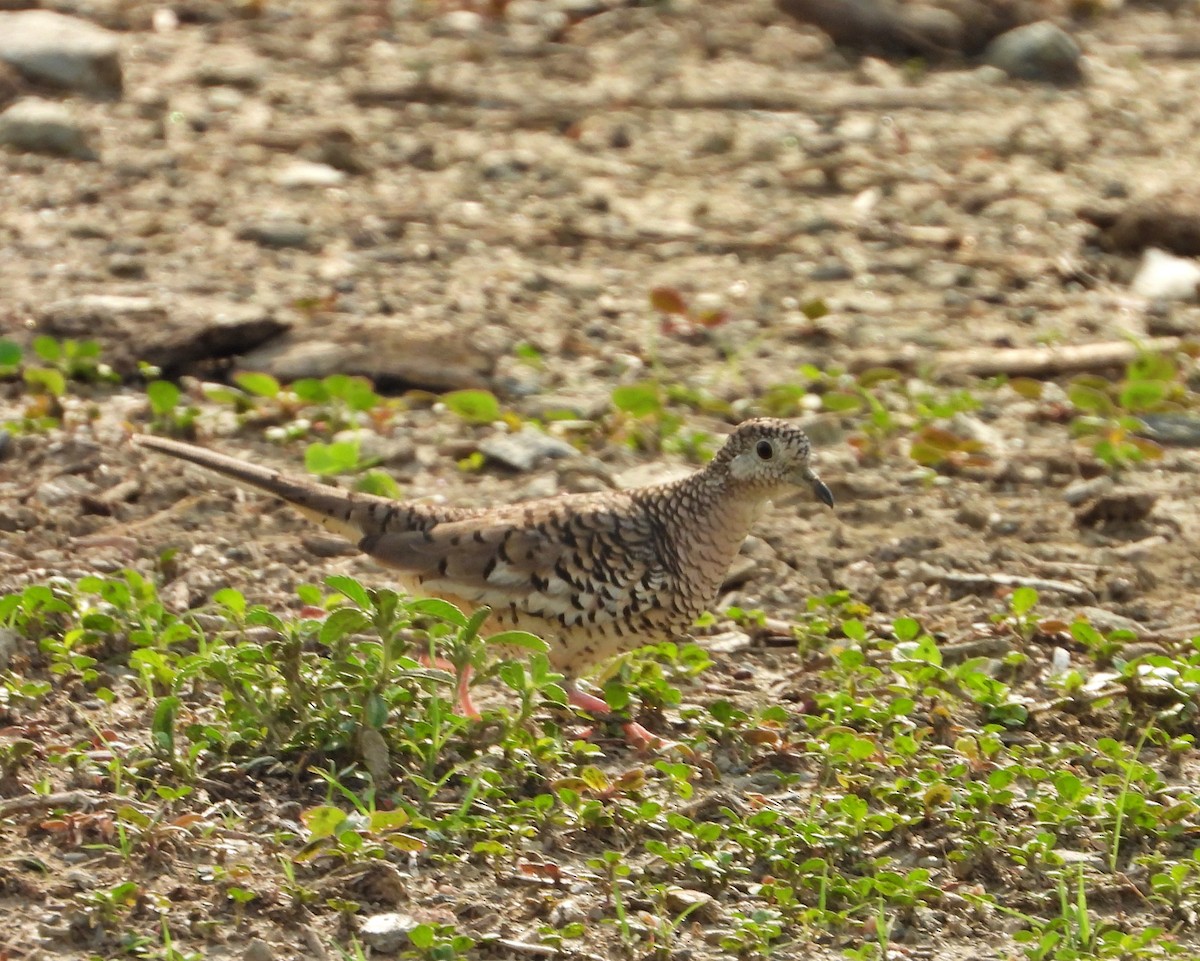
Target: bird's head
769, 456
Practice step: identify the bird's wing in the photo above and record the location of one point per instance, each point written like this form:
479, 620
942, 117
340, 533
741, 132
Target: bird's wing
568, 563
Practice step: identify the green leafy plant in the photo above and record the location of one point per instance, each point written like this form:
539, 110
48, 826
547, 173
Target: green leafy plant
1108, 413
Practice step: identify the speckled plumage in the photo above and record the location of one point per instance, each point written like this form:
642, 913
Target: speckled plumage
594, 574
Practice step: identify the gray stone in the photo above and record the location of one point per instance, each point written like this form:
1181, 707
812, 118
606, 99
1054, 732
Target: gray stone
1039, 51
10, 641
387, 933
232, 67
18, 517
259, 950
45, 127
63, 51
277, 232
525, 449
59, 490
1080, 491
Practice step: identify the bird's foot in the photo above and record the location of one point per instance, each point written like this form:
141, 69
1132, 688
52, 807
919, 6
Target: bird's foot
636, 735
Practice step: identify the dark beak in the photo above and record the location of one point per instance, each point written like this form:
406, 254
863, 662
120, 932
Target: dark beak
821, 489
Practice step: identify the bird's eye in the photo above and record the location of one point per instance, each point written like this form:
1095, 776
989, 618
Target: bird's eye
764, 450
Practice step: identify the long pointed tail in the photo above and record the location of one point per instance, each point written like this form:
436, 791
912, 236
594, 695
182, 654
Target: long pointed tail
348, 514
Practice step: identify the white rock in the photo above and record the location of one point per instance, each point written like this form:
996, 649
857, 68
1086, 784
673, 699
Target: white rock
1060, 661
461, 22
62, 50
1163, 276
387, 933
304, 173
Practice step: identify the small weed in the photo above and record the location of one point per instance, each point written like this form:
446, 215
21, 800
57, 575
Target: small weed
366, 834
1108, 413
438, 942
167, 414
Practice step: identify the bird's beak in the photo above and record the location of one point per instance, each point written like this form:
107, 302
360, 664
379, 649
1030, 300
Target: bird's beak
824, 494
820, 488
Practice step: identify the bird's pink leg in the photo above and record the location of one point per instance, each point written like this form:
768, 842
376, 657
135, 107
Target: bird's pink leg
464, 704
635, 734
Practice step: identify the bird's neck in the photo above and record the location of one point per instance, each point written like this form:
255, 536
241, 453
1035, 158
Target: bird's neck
713, 524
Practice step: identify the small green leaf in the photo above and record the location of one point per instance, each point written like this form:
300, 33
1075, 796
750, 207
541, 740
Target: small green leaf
521, 639
348, 586
1027, 387
1143, 395
10, 355
1024, 599
49, 349
473, 406
841, 401
46, 379
375, 712
323, 821
231, 599
405, 842
340, 623
1089, 400
442, 610
422, 937
340, 457
1084, 633
261, 385
357, 393
378, 483
163, 397
381, 821
814, 309
1158, 367
162, 727
638, 400
310, 390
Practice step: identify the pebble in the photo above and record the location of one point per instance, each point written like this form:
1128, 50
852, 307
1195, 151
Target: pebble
10, 641
1163, 276
1080, 491
258, 950
305, 173
277, 233
1039, 51
460, 23
62, 51
58, 490
966, 425
373, 446
232, 67
387, 933
683, 901
17, 517
1180, 429
831, 270
525, 449
45, 127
